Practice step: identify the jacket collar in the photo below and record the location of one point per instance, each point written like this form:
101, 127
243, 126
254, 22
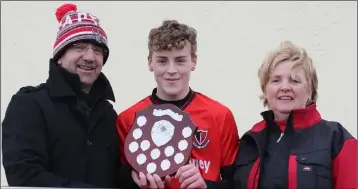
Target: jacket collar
298, 119
59, 87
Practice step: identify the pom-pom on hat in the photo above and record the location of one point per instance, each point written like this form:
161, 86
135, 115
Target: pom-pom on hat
75, 26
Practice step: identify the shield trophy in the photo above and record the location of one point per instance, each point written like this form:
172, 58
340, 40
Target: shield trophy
160, 140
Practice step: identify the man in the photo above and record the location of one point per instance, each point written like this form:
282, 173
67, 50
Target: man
62, 133
172, 58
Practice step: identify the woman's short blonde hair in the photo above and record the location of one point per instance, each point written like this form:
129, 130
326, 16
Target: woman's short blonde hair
289, 52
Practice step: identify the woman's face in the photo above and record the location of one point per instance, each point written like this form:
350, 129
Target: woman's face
287, 89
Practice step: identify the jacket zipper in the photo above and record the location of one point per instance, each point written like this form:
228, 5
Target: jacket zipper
278, 140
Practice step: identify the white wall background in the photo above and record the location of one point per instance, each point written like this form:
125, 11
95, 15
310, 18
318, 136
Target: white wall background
233, 39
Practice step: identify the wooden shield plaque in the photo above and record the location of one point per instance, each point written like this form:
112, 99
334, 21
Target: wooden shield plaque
160, 140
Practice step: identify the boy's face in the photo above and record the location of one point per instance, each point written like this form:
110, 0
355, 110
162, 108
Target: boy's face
172, 72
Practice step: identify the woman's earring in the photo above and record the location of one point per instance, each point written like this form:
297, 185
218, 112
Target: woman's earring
308, 102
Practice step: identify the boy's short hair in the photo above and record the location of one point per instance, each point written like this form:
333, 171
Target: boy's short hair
172, 34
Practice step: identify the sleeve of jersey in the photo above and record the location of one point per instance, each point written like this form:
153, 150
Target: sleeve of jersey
122, 130
125, 170
229, 147
229, 140
345, 166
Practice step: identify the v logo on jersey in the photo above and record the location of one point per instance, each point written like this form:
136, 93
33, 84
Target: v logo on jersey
201, 139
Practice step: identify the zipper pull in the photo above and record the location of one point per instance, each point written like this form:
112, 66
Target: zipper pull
278, 140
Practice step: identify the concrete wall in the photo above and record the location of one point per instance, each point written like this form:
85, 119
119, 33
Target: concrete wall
233, 39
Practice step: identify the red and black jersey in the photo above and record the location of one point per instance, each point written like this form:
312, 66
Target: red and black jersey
304, 151
215, 142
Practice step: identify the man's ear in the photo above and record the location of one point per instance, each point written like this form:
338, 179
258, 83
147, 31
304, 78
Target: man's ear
59, 61
194, 61
150, 63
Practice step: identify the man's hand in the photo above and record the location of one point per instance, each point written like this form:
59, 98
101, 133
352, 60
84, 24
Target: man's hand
190, 177
147, 181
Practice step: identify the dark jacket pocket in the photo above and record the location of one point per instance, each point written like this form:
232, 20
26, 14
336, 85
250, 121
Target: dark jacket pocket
314, 169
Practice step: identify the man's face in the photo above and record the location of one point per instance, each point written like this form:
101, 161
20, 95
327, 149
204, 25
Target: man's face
172, 72
84, 59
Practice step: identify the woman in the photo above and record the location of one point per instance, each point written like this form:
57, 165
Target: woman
293, 147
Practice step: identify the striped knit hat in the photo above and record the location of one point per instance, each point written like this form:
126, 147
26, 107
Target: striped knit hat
75, 26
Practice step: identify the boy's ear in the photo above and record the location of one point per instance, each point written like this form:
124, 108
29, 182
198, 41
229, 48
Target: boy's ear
194, 61
150, 63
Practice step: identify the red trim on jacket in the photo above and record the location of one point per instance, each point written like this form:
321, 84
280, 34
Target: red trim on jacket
302, 118
254, 175
345, 166
292, 172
